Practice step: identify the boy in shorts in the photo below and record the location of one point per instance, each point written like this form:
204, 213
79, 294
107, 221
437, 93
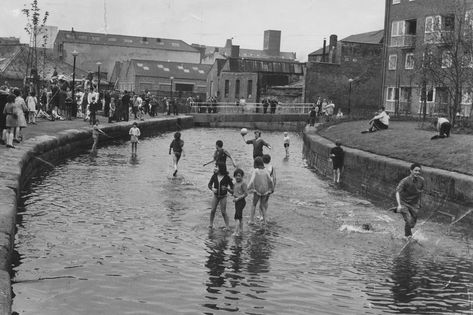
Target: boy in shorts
239, 195
286, 143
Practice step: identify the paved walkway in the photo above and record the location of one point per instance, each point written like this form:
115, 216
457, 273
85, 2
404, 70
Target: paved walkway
51, 128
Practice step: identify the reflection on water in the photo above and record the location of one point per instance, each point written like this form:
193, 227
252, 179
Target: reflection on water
116, 234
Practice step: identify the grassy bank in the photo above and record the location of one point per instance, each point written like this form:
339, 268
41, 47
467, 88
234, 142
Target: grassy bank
407, 141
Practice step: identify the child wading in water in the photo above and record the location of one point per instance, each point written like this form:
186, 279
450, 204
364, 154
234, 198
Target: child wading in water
134, 134
176, 146
286, 143
239, 195
337, 155
95, 136
220, 184
262, 186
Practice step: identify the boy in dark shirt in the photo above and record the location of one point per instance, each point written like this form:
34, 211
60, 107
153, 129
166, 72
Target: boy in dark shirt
337, 155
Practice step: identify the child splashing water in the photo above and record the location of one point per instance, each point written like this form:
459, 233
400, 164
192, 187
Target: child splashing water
262, 186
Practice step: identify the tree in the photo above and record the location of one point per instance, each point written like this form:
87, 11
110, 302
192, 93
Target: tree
446, 58
34, 27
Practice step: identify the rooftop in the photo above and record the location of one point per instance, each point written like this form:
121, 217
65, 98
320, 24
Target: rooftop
374, 37
123, 40
178, 70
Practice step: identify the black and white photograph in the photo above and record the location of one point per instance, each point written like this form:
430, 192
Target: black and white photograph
236, 157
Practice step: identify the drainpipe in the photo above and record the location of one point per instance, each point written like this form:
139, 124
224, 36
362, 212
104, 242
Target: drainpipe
387, 14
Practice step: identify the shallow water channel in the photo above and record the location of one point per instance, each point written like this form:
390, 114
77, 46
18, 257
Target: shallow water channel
116, 235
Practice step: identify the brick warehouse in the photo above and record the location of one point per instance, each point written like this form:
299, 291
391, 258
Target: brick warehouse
357, 57
408, 26
108, 48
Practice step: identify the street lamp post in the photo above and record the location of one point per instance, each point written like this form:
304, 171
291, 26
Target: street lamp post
172, 78
350, 81
99, 101
74, 54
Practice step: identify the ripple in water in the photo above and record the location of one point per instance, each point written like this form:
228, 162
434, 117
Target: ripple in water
113, 234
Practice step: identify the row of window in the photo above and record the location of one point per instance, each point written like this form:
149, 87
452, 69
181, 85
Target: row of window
403, 32
409, 61
249, 89
433, 94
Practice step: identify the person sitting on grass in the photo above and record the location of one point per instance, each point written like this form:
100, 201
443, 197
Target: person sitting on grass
378, 122
443, 127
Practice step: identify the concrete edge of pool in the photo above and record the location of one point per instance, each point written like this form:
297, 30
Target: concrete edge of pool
371, 175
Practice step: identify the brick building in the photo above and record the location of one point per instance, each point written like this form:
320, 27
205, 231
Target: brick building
159, 77
409, 26
108, 48
271, 50
235, 77
357, 58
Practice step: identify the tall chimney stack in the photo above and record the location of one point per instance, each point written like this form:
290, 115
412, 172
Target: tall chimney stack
272, 42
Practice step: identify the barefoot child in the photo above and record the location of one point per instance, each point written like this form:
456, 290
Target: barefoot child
220, 184
176, 146
262, 186
134, 134
286, 143
239, 195
95, 135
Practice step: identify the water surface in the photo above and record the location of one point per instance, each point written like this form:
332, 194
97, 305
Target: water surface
115, 235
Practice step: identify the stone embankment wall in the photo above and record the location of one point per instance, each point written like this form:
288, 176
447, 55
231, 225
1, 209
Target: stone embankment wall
31, 157
275, 122
376, 177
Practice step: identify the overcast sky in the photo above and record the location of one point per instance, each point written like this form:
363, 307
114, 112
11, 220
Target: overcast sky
304, 23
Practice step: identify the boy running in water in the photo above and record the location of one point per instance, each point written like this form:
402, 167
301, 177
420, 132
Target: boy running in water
176, 147
239, 195
257, 143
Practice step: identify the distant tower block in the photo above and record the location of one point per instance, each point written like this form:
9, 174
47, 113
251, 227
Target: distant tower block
272, 42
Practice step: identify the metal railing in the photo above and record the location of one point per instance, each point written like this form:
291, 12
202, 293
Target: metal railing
249, 108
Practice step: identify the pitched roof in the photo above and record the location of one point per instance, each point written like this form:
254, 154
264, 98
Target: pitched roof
375, 37
178, 70
124, 40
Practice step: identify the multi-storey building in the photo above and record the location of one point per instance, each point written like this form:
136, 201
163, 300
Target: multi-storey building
347, 71
410, 26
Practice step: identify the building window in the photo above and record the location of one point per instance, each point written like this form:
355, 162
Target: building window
237, 89
436, 26
227, 88
393, 94
250, 89
409, 61
396, 1
392, 62
446, 59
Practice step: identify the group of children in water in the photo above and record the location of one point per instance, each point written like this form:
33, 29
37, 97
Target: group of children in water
262, 181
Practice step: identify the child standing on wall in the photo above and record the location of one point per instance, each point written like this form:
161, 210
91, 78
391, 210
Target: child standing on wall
239, 195
134, 134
